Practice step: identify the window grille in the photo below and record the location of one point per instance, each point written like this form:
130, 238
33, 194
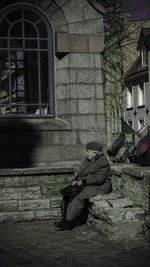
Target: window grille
26, 63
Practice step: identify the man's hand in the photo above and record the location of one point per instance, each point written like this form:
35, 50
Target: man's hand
74, 182
79, 182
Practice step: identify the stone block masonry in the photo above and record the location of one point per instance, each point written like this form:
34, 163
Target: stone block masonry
79, 75
124, 214
133, 182
117, 218
32, 194
79, 114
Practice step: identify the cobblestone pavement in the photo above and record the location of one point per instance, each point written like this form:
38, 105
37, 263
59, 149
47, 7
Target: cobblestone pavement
39, 244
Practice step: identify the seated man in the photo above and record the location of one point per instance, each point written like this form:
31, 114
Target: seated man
95, 175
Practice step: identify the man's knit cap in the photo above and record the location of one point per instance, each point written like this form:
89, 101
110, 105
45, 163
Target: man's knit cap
94, 146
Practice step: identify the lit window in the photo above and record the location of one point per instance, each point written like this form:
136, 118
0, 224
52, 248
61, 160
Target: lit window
141, 94
129, 97
144, 58
26, 63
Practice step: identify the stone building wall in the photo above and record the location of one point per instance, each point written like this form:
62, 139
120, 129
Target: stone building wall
132, 182
79, 99
32, 193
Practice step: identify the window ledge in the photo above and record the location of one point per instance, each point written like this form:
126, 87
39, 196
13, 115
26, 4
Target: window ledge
37, 171
142, 106
32, 124
131, 108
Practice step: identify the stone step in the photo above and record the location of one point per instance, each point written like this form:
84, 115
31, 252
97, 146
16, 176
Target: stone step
116, 217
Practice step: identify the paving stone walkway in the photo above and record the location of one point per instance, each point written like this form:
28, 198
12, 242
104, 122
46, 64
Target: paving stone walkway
39, 244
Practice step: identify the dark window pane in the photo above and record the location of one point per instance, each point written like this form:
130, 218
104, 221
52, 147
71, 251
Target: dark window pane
20, 59
4, 28
4, 77
16, 30
42, 29
31, 78
4, 110
44, 75
3, 43
31, 16
15, 43
13, 16
31, 44
43, 44
30, 31
4, 93
13, 60
42, 110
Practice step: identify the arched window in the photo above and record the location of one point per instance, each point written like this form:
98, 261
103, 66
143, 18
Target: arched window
26, 63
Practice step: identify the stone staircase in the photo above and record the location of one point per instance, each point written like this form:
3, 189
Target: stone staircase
32, 194
117, 217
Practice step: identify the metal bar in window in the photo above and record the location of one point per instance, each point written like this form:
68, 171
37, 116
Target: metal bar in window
25, 38
16, 81
23, 30
6, 19
13, 23
9, 72
51, 75
9, 75
37, 22
26, 116
22, 104
1, 79
39, 69
39, 77
25, 49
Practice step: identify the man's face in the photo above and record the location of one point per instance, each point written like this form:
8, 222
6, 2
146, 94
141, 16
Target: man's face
90, 154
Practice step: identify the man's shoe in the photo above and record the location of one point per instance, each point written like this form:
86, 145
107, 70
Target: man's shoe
66, 225
58, 224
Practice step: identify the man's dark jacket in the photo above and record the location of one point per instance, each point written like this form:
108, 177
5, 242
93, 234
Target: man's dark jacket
96, 173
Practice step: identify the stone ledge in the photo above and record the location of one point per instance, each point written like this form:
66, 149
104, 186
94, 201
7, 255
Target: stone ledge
137, 172
36, 171
134, 171
117, 168
32, 124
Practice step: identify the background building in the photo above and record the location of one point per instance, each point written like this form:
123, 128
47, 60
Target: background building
137, 88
